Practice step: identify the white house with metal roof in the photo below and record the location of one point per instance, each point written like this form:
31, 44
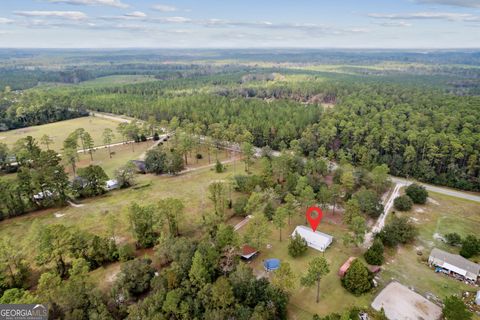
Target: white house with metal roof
454, 263
316, 240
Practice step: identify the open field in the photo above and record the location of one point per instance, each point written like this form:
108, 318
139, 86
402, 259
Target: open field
191, 187
117, 80
123, 154
59, 131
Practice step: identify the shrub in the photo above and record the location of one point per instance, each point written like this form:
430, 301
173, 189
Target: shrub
374, 254
199, 156
357, 279
453, 239
470, 247
156, 137
417, 193
239, 206
399, 230
219, 167
454, 308
369, 202
297, 246
403, 203
126, 252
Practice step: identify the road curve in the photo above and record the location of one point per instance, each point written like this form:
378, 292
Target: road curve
442, 190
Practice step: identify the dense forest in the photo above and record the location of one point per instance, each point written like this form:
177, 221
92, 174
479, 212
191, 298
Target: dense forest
422, 120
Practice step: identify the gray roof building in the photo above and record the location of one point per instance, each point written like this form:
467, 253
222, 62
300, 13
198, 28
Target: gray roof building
454, 263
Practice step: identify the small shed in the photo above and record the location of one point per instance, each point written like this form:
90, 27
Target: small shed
454, 264
248, 252
316, 240
344, 268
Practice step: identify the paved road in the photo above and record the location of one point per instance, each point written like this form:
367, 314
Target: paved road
442, 190
111, 117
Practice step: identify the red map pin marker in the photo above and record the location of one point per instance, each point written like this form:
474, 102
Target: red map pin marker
314, 222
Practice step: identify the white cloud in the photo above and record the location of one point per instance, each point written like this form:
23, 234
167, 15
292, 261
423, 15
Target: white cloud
164, 8
69, 15
175, 20
110, 3
401, 24
456, 3
136, 14
450, 16
5, 20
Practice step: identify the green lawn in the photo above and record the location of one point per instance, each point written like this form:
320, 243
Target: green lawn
59, 131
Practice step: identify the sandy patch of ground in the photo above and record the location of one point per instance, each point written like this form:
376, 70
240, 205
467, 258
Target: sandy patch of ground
399, 302
438, 236
113, 274
119, 240
58, 214
433, 201
1, 138
419, 210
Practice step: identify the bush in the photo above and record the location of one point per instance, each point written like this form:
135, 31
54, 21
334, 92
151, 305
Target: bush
297, 246
143, 137
199, 156
374, 254
126, 252
134, 278
156, 137
454, 308
369, 202
470, 247
357, 279
399, 230
247, 184
219, 167
417, 193
403, 203
453, 239
239, 206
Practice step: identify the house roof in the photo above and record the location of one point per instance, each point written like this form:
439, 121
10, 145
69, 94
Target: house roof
247, 250
456, 261
317, 237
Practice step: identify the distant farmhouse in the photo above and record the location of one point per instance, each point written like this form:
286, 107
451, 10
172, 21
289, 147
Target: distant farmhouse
316, 240
454, 264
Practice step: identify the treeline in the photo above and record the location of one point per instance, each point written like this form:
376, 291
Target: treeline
24, 109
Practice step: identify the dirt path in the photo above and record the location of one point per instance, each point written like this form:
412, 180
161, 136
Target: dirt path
387, 204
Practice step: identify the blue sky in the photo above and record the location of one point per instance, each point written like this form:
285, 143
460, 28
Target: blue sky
240, 23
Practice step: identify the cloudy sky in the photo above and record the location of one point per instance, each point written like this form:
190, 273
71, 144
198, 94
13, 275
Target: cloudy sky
240, 23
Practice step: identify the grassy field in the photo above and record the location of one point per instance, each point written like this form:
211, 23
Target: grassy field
117, 80
191, 187
123, 153
59, 131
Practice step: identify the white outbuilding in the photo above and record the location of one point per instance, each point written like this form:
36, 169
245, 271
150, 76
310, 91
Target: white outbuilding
316, 240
